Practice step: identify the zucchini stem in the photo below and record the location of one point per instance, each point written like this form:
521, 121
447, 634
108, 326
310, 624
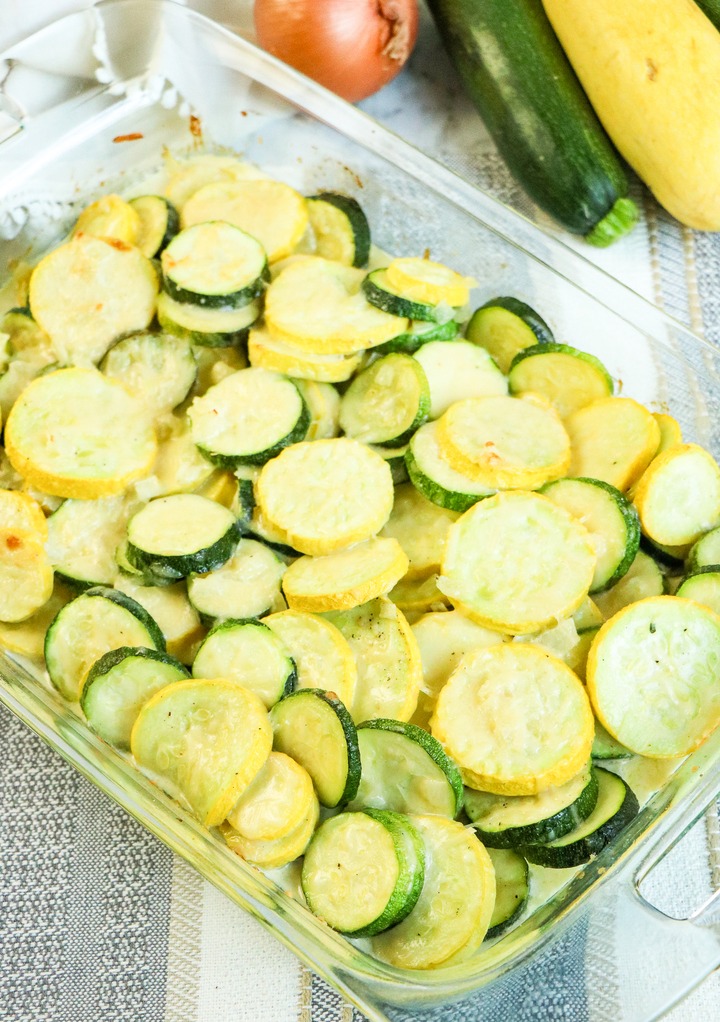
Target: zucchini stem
619, 221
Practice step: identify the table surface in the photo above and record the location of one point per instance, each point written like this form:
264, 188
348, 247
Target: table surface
97, 919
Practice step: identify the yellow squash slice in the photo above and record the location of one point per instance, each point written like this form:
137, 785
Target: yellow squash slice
277, 801
504, 443
26, 575
422, 280
515, 720
317, 305
517, 563
327, 494
90, 291
266, 351
670, 431
421, 528
346, 578
614, 439
20, 511
279, 852
321, 652
75, 433
678, 495
28, 637
109, 217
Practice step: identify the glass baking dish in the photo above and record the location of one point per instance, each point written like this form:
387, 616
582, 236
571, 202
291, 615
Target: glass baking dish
88, 104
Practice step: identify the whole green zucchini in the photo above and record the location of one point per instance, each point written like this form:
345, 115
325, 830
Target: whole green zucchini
532, 104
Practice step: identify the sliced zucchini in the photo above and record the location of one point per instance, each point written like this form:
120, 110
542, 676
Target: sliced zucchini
670, 647
606, 747
387, 402
514, 719
314, 728
406, 770
435, 478
457, 371
453, 911
327, 494
678, 496
83, 536
247, 585
21, 370
703, 586
512, 889
159, 223
174, 536
389, 672
277, 852
277, 539
318, 306
266, 352
323, 402
207, 738
426, 281
613, 439
341, 229
214, 265
119, 684
505, 442
109, 217
210, 328
670, 558
270, 211
394, 457
419, 332
277, 801
611, 520
24, 334
321, 653
568, 378
158, 369
26, 574
90, 291
248, 418
506, 326
642, 579
517, 563
379, 292
616, 807
705, 551
171, 609
363, 872
250, 654
91, 625
346, 578
75, 433
421, 528
509, 821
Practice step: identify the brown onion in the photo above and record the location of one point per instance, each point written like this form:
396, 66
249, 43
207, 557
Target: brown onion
352, 47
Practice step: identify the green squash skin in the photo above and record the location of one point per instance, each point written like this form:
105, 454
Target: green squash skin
526, 92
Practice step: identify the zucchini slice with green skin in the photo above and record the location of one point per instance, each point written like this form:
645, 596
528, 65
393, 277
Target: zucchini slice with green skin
174, 536
119, 684
341, 229
83, 536
209, 328
642, 579
246, 586
435, 478
248, 418
158, 369
406, 770
170, 608
457, 371
705, 551
606, 747
380, 293
567, 377
616, 807
512, 889
208, 739
703, 586
453, 912
524, 88
159, 223
387, 402
420, 332
609, 517
363, 872
314, 728
214, 265
506, 326
97, 621
510, 821
671, 559
250, 654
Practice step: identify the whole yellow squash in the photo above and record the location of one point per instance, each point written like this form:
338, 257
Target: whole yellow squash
651, 69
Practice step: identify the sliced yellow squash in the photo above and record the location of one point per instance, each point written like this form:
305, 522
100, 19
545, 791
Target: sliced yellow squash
187, 176
614, 439
421, 528
26, 575
266, 351
279, 852
670, 431
346, 578
422, 280
20, 511
276, 803
28, 637
515, 720
321, 652
678, 495
109, 217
